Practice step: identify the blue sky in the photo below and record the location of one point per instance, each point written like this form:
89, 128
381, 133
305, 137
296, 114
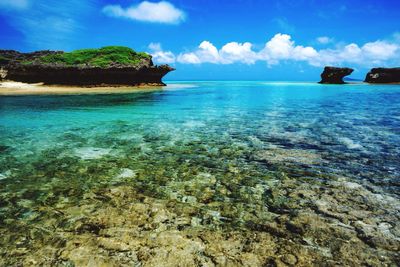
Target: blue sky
217, 40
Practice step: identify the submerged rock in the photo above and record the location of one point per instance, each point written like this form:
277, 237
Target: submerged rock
91, 152
383, 75
126, 173
334, 75
3, 176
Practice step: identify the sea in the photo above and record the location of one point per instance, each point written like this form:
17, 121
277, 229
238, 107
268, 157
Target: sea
210, 173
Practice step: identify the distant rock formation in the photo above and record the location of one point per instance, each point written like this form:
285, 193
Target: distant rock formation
89, 67
383, 75
334, 75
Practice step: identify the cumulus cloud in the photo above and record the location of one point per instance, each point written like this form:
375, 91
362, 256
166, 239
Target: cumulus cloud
380, 49
189, 58
238, 52
14, 4
161, 12
230, 53
207, 52
281, 47
160, 56
378, 52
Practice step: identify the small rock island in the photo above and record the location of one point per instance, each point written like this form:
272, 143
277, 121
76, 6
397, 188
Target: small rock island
108, 66
383, 75
334, 75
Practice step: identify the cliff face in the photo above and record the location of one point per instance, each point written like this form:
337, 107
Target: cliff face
54, 67
333, 75
383, 75
86, 76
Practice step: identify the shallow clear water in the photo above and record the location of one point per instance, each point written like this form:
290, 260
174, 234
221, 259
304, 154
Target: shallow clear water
218, 146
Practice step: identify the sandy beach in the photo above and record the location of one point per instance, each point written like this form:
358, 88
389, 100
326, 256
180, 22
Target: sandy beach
18, 88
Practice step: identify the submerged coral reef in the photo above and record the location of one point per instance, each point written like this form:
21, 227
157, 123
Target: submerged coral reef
147, 179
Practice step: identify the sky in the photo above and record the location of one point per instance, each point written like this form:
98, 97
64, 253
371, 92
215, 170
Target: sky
271, 40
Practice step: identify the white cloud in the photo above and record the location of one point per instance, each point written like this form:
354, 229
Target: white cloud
160, 56
378, 52
304, 53
14, 4
238, 52
230, 53
349, 52
189, 58
205, 53
281, 47
161, 12
324, 40
380, 49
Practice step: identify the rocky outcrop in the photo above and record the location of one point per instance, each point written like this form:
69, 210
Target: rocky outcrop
25, 67
383, 75
334, 75
87, 76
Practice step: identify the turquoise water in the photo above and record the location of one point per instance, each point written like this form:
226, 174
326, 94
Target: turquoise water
355, 127
221, 147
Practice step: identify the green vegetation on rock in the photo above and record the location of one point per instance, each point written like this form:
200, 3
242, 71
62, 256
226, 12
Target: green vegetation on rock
101, 57
4, 60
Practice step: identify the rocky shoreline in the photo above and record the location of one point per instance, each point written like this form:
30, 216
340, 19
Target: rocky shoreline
88, 76
32, 68
383, 75
335, 75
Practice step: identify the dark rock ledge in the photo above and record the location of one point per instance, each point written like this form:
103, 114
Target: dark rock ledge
383, 75
58, 68
334, 75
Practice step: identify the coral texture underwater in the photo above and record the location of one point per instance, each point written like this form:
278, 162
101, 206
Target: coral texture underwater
206, 174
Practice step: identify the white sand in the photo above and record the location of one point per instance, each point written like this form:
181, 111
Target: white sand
18, 88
